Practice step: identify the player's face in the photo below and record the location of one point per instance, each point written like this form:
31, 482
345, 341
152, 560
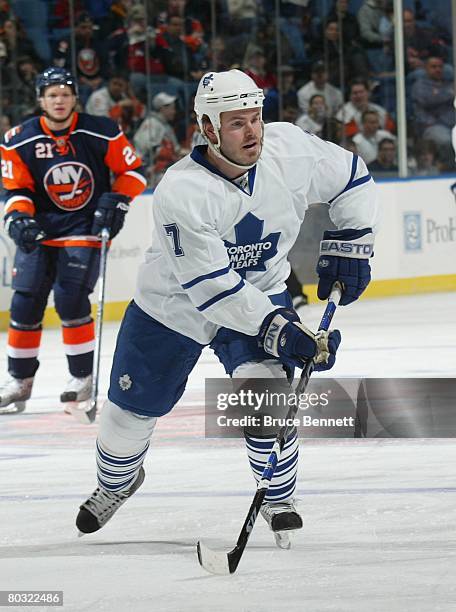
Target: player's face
241, 135
58, 102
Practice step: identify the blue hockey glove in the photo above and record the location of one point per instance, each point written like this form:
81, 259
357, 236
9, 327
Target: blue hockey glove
24, 230
110, 213
344, 257
283, 335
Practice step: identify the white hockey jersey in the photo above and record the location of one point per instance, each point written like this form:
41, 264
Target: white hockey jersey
219, 251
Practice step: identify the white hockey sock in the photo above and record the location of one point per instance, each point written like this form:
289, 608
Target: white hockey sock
122, 443
283, 483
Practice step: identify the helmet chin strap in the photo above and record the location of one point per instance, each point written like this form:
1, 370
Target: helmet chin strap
216, 149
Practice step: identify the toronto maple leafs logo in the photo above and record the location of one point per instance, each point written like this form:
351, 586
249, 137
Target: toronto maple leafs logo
250, 251
125, 382
207, 80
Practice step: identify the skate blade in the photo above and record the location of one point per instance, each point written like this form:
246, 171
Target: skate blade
82, 411
282, 540
15, 408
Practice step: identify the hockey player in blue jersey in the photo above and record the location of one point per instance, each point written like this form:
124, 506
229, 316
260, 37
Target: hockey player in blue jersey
225, 218
56, 170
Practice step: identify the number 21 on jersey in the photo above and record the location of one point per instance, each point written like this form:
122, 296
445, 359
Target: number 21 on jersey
7, 169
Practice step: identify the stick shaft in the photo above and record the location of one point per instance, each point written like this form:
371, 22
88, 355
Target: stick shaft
263, 484
99, 319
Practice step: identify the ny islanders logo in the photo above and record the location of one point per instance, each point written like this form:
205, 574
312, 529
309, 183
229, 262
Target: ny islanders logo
250, 251
70, 185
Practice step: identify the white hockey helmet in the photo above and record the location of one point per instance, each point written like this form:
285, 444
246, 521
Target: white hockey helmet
219, 92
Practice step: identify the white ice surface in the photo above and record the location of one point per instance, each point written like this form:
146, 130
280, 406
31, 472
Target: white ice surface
379, 515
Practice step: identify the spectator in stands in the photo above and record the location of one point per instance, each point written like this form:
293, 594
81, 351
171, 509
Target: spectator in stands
266, 40
351, 112
385, 164
156, 140
368, 139
287, 91
314, 120
426, 158
100, 12
27, 71
255, 66
206, 11
290, 113
192, 31
369, 17
16, 41
351, 38
433, 104
294, 25
350, 27
117, 15
420, 43
4, 10
319, 85
128, 113
131, 46
177, 56
327, 48
180, 61
61, 13
219, 56
102, 100
375, 18
317, 121
90, 56
241, 16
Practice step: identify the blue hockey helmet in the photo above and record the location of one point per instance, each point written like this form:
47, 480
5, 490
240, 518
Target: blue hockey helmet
55, 76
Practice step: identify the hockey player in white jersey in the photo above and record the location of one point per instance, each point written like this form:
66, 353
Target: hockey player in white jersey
225, 218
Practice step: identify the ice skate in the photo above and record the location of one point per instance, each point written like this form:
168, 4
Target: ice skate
77, 391
14, 393
281, 518
102, 505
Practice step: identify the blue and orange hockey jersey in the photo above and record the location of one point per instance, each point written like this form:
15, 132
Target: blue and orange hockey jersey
58, 178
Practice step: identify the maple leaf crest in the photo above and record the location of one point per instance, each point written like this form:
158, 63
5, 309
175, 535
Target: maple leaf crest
250, 251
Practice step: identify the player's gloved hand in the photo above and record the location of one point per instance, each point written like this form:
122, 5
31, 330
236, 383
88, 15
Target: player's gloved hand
283, 335
24, 230
344, 257
110, 213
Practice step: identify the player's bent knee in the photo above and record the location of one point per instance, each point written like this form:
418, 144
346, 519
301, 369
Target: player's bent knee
124, 431
267, 384
28, 308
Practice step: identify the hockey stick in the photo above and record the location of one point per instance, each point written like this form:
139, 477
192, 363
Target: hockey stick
88, 416
219, 562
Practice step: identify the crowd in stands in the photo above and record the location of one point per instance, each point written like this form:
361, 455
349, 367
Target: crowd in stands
332, 73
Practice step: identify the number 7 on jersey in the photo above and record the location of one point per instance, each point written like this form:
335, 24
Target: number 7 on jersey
172, 230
